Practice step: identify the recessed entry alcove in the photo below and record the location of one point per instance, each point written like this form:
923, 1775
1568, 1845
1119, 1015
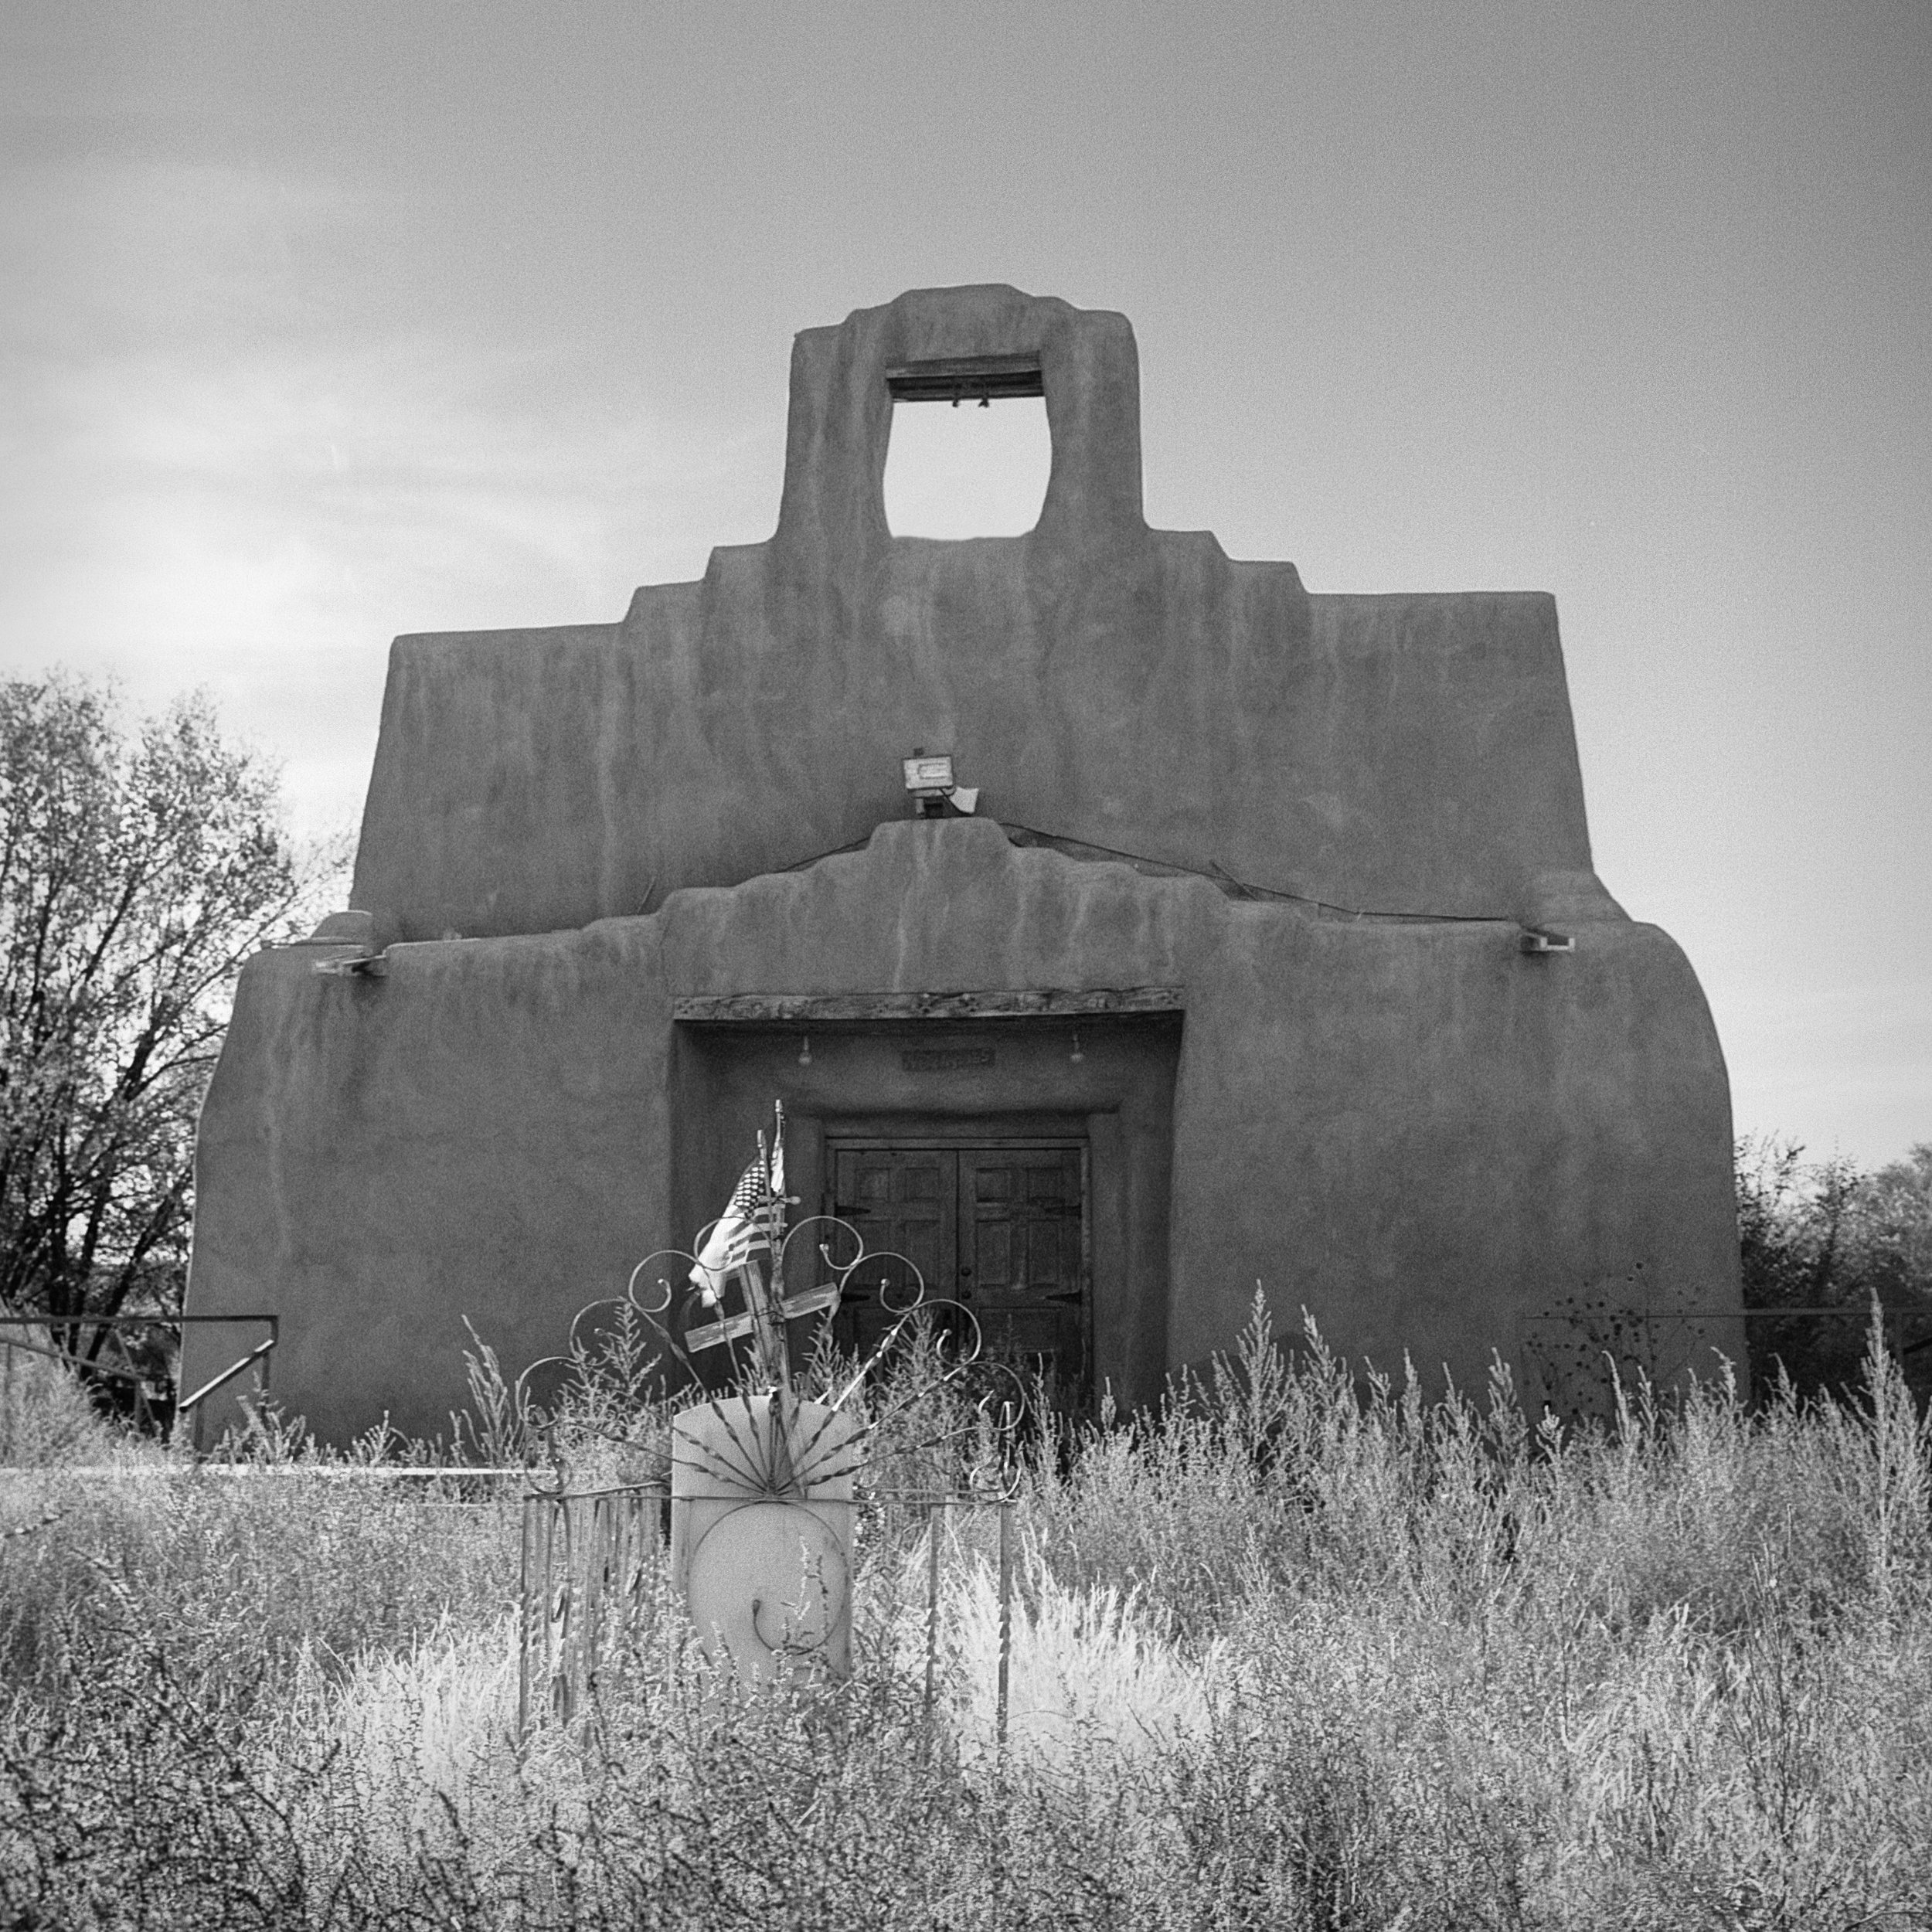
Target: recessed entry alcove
1022, 1163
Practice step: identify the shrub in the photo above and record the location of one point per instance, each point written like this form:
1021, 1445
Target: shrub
1294, 1651
47, 1418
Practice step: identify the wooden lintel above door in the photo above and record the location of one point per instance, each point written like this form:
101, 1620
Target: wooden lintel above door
824, 1008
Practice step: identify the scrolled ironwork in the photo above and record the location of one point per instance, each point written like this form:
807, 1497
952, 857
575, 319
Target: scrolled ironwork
951, 1328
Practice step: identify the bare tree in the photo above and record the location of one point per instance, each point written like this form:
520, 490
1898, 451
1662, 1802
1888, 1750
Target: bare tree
138, 869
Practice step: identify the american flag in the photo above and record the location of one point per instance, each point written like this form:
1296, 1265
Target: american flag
741, 1230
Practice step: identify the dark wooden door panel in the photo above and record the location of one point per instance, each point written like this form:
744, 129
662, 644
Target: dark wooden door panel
999, 1230
1021, 1268
1022, 1206
902, 1202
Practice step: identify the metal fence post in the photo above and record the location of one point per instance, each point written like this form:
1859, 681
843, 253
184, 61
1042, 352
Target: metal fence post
934, 1516
525, 1632
1005, 1614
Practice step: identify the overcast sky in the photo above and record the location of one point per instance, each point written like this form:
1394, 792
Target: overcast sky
322, 323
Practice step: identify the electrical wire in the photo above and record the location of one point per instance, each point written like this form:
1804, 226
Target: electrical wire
1214, 871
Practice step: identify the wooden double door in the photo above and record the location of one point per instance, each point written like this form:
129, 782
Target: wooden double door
999, 1228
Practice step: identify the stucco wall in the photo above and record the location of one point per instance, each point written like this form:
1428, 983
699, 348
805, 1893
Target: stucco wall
1103, 681
1414, 1130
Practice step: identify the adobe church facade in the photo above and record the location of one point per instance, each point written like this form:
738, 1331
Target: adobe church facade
1273, 950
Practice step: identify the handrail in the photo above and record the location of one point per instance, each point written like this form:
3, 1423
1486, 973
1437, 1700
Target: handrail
227, 1375
62, 1355
181, 1323
84, 1320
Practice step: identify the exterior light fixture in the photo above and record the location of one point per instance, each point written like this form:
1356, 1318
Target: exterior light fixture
360, 966
929, 777
1076, 1055
805, 1052
1545, 939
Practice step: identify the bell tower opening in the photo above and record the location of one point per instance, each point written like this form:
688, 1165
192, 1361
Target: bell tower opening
970, 452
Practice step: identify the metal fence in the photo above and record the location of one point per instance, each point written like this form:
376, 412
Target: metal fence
154, 1399
595, 1574
1566, 1359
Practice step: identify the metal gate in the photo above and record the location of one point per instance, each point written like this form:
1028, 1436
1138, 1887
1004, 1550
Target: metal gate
596, 1573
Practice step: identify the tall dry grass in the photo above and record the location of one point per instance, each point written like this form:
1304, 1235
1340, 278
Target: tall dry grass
1288, 1654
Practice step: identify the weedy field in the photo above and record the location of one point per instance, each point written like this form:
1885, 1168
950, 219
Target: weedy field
1300, 1651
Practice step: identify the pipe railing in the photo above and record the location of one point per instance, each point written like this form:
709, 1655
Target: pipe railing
72, 1358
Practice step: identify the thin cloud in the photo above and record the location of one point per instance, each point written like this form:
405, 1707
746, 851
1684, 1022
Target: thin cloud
231, 488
